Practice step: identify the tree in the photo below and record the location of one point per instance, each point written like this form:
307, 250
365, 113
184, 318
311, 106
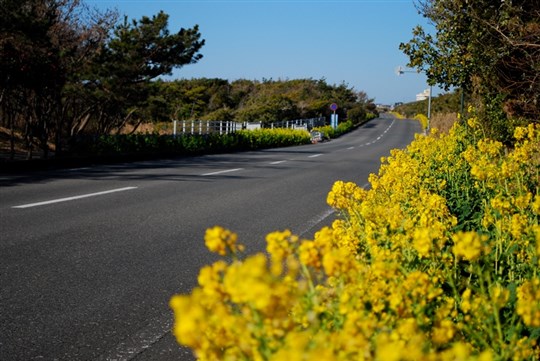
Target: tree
138, 52
66, 68
42, 46
251, 100
490, 49
30, 64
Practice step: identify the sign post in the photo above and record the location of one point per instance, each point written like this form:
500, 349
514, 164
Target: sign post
334, 116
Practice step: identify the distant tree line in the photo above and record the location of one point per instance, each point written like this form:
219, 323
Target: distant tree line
263, 101
69, 70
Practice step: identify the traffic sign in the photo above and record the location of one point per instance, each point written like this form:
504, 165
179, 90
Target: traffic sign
333, 106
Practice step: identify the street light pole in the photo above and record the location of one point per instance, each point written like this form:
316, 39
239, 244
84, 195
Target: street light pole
399, 72
429, 109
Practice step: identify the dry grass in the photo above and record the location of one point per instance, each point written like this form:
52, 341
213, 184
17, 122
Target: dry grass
5, 144
443, 121
148, 128
20, 146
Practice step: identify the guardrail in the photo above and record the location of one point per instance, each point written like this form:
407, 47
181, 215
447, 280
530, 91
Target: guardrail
224, 127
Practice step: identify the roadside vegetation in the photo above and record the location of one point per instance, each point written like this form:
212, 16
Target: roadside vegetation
488, 53
147, 144
439, 259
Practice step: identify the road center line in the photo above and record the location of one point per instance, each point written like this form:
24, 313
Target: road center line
222, 171
74, 197
315, 155
278, 162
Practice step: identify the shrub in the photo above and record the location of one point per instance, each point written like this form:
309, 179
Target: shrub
330, 132
438, 260
268, 138
357, 115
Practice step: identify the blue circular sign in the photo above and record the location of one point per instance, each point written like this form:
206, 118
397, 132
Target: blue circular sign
333, 106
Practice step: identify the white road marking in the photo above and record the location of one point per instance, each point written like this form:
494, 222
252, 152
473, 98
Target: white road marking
278, 162
350, 148
222, 171
77, 169
315, 155
379, 137
310, 224
74, 197
139, 342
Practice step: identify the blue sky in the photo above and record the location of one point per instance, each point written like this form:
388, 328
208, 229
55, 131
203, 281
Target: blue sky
350, 41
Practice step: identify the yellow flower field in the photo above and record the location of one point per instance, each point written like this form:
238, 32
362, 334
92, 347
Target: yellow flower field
439, 260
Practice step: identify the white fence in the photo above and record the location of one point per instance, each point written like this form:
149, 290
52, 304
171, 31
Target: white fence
224, 127
205, 127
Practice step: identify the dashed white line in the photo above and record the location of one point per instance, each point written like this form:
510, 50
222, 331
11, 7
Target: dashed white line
278, 162
222, 171
74, 197
315, 155
350, 148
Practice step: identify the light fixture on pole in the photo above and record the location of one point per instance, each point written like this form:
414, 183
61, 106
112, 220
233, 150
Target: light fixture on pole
400, 71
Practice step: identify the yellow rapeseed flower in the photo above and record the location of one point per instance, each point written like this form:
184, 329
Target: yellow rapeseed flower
309, 255
520, 133
387, 349
528, 302
444, 332
499, 295
536, 204
221, 241
536, 231
466, 301
190, 319
249, 282
423, 242
518, 223
210, 279
387, 280
280, 245
468, 245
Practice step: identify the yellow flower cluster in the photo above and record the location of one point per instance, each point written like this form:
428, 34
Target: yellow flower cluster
424, 121
221, 241
469, 245
439, 260
528, 306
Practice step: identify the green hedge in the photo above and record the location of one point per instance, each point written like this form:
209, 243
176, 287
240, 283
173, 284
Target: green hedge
138, 144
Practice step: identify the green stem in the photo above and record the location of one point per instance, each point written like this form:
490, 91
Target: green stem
307, 274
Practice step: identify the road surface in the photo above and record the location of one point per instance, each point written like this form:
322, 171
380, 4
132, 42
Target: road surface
90, 257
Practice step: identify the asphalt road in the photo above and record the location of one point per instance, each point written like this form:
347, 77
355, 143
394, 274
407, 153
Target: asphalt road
90, 257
